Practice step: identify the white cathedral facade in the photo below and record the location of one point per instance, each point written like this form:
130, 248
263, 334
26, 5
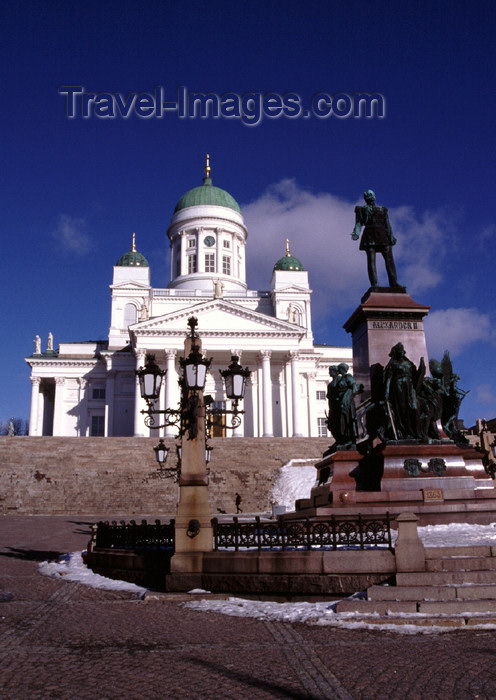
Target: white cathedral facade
90, 388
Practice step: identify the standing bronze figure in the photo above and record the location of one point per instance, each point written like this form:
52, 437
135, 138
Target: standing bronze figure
377, 237
341, 392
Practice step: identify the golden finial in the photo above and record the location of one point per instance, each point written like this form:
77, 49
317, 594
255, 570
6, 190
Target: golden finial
287, 248
133, 249
207, 167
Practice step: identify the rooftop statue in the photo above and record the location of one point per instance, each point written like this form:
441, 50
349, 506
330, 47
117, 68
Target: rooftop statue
377, 237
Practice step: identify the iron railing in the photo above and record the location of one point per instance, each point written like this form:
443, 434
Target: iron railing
360, 533
331, 533
131, 536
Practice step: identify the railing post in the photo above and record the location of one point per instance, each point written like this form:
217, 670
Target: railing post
334, 538
308, 526
280, 524
214, 523
360, 530
259, 533
409, 550
236, 533
390, 541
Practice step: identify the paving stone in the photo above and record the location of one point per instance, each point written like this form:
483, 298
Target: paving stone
63, 640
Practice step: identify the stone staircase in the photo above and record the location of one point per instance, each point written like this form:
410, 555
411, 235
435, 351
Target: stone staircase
457, 588
118, 476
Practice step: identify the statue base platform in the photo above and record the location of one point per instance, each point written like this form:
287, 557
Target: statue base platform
440, 483
385, 317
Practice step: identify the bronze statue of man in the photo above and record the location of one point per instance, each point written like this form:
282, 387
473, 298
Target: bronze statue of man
377, 237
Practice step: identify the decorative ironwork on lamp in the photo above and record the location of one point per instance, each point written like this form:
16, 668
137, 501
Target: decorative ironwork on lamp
185, 418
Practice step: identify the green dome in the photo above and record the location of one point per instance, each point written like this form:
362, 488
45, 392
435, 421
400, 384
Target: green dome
133, 258
207, 194
288, 262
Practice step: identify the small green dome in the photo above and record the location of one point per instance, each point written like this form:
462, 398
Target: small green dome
288, 262
132, 258
207, 194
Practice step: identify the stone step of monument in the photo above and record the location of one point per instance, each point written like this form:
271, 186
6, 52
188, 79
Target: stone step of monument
461, 564
438, 593
443, 578
376, 607
425, 607
456, 607
463, 551
469, 620
415, 593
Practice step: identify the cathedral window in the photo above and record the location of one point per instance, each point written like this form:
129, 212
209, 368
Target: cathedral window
98, 393
191, 243
97, 426
191, 263
130, 315
321, 395
227, 244
322, 427
226, 265
209, 262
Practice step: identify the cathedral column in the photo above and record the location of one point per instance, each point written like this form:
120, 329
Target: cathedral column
170, 383
58, 411
34, 428
83, 407
184, 256
312, 412
139, 425
109, 401
268, 430
200, 259
294, 354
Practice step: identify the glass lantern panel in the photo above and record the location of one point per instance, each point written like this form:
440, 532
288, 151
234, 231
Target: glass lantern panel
238, 385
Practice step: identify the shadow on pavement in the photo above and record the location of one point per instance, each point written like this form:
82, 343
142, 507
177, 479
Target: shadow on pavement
31, 554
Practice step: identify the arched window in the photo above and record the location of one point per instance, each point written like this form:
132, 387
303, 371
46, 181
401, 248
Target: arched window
130, 315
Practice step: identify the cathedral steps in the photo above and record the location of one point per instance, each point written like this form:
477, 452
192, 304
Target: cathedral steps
60, 475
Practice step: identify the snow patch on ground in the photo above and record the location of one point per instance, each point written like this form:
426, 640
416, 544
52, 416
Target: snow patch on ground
71, 567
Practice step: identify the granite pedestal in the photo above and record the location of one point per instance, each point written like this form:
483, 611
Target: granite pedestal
440, 483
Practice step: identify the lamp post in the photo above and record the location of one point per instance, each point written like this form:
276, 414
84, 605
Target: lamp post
193, 530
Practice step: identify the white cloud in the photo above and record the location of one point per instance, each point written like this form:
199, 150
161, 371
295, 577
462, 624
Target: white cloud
422, 245
319, 227
71, 235
456, 329
485, 394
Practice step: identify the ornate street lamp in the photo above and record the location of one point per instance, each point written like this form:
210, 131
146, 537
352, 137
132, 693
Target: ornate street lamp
161, 452
195, 369
150, 379
192, 383
235, 378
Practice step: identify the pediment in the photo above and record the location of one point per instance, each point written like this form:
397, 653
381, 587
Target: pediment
130, 284
217, 317
291, 289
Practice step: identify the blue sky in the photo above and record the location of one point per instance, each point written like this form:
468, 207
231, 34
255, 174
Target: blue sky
74, 190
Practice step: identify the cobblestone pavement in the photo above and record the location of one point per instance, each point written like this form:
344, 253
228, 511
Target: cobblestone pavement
64, 640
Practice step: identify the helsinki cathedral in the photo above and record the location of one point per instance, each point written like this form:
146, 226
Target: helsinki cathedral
91, 389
